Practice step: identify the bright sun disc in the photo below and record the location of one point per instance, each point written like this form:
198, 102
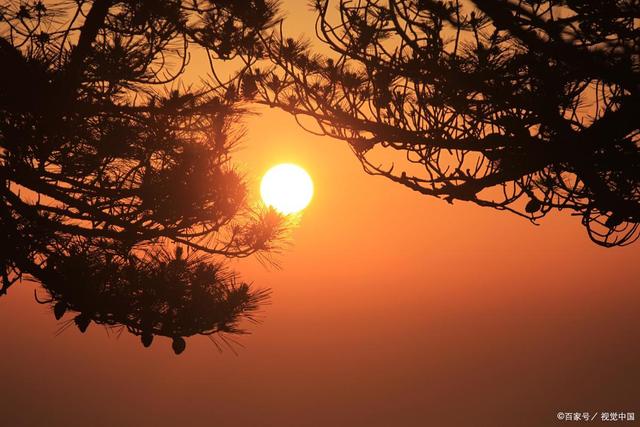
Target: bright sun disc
287, 188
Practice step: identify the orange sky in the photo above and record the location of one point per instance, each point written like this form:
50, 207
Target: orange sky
391, 309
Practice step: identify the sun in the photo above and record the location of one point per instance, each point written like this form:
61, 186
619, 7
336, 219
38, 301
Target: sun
287, 188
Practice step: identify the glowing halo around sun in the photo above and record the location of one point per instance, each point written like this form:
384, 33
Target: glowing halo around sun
287, 188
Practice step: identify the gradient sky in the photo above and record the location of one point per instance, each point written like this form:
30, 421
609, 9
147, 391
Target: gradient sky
390, 309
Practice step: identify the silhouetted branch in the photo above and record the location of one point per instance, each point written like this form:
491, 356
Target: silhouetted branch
516, 105
107, 159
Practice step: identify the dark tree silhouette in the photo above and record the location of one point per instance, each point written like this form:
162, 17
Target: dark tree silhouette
117, 191
526, 106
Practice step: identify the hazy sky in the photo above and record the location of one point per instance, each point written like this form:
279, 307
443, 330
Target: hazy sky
391, 309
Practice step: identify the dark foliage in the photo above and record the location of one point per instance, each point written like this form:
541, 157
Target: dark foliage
107, 158
526, 106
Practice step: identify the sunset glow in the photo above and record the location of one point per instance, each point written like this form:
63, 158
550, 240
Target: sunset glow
320, 213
